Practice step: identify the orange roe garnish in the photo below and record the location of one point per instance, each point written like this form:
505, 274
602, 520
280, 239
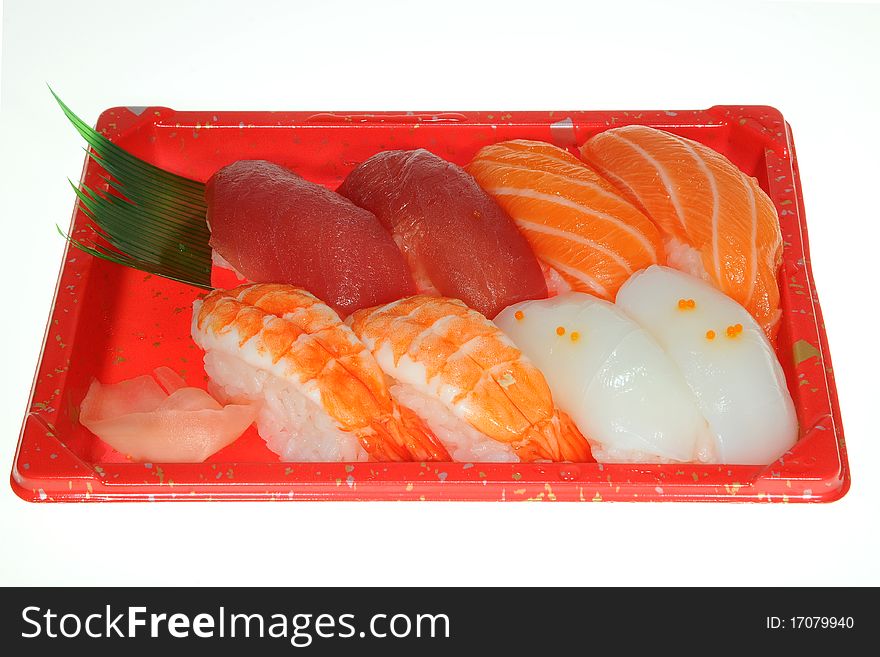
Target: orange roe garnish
519, 314
710, 335
733, 331
575, 336
560, 330
686, 304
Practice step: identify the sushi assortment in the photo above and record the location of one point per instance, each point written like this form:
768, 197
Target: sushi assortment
619, 304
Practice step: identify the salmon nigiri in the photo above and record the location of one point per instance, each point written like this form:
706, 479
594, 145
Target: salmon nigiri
575, 221
467, 380
719, 224
322, 394
456, 239
272, 226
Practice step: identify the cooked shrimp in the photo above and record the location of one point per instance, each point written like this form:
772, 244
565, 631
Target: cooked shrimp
454, 355
285, 332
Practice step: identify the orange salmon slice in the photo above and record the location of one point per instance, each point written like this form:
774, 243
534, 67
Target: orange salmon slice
576, 222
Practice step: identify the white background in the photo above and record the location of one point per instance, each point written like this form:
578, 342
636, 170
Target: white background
816, 62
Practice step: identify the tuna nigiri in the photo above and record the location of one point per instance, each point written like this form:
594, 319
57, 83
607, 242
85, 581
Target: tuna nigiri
725, 358
323, 395
272, 226
473, 387
575, 221
456, 239
613, 379
719, 224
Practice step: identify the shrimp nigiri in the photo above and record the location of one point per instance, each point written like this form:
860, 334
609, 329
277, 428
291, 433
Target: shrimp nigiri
324, 397
473, 387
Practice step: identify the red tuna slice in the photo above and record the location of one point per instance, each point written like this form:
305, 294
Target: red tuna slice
273, 226
452, 233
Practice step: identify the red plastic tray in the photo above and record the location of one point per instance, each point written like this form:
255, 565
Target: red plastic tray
113, 323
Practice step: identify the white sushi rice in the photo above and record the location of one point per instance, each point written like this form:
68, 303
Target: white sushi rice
219, 261
686, 258
608, 453
555, 283
293, 426
464, 442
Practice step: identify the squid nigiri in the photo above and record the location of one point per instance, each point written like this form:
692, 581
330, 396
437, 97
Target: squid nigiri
474, 388
725, 358
323, 395
611, 376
